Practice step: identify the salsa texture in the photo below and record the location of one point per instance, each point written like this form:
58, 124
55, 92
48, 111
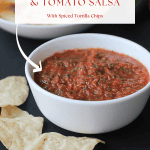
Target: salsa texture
92, 74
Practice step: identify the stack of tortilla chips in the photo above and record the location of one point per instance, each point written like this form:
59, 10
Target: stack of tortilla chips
7, 10
21, 131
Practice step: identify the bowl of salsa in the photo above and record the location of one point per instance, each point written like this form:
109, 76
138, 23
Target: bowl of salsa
90, 83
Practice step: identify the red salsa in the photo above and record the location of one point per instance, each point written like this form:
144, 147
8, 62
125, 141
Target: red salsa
92, 74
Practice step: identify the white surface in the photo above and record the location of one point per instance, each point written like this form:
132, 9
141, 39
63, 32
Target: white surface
38, 14
42, 31
89, 116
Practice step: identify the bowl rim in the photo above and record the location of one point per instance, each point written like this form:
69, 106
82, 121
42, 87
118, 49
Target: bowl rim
36, 26
93, 103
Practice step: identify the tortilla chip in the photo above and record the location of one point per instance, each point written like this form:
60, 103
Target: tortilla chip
13, 112
6, 11
11, 1
7, 1
4, 6
13, 91
18, 129
8, 15
56, 141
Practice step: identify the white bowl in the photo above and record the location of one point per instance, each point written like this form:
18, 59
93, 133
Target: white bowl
89, 116
42, 31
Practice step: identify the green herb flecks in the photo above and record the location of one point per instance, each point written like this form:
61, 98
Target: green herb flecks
123, 79
67, 75
57, 64
98, 55
122, 68
84, 88
108, 89
111, 96
111, 65
50, 76
130, 70
73, 69
46, 87
102, 79
59, 93
45, 75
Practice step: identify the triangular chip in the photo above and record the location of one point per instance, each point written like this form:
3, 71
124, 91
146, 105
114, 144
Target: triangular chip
13, 112
7, 1
13, 91
11, 1
18, 129
7, 10
56, 141
8, 15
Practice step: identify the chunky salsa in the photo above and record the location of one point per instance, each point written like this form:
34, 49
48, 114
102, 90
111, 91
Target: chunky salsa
92, 74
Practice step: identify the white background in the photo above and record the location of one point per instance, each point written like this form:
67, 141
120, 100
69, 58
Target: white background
27, 14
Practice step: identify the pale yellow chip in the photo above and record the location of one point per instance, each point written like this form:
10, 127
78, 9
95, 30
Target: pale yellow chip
18, 129
7, 1
6, 10
13, 91
11, 1
56, 141
8, 15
